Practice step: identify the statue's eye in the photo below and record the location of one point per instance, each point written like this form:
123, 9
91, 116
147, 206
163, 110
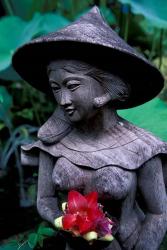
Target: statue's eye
73, 84
55, 87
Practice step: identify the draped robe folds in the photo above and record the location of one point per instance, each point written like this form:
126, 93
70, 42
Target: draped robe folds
129, 147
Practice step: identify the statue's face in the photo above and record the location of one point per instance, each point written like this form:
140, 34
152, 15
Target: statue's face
75, 92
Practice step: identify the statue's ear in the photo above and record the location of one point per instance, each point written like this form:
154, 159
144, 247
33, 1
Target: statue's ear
102, 100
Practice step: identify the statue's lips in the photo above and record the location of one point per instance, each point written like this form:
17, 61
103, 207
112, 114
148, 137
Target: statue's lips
70, 111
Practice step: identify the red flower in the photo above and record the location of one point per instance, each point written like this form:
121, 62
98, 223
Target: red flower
83, 215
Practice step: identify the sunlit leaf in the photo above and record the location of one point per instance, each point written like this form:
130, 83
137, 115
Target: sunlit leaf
151, 116
155, 11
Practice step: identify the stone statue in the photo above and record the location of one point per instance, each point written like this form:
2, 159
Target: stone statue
85, 145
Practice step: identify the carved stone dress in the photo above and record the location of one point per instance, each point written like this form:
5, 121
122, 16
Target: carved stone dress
111, 169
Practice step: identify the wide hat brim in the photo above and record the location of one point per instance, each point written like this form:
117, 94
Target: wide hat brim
92, 40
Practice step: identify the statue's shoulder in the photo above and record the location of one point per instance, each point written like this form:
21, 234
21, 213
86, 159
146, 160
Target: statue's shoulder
145, 146
144, 137
49, 135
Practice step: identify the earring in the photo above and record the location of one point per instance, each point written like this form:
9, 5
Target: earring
102, 100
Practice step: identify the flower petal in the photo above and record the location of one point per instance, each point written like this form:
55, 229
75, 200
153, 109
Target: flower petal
84, 224
103, 226
76, 202
69, 221
94, 214
92, 199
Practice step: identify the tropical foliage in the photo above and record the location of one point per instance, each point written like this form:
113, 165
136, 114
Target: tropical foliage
142, 23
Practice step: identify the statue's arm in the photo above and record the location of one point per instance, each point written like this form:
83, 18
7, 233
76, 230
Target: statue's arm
151, 184
46, 200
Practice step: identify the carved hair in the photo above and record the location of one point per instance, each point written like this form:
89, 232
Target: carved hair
112, 83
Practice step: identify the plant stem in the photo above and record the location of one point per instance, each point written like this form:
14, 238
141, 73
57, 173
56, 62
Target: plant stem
153, 46
161, 47
22, 193
8, 7
120, 20
127, 18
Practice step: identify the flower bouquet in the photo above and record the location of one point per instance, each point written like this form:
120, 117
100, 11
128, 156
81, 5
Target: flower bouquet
84, 217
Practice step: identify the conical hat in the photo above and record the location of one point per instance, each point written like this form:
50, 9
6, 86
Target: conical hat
90, 39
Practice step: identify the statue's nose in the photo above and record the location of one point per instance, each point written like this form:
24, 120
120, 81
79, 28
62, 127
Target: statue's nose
65, 98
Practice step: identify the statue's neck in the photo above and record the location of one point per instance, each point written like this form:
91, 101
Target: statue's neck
103, 121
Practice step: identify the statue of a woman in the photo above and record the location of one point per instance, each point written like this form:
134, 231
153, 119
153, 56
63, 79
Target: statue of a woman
85, 146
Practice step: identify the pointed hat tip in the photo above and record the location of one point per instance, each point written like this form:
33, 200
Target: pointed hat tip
92, 14
95, 9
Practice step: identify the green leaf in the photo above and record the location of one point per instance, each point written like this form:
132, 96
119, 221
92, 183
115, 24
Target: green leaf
14, 245
40, 240
20, 8
46, 231
52, 22
9, 74
153, 10
11, 29
15, 32
32, 240
108, 14
5, 104
26, 113
151, 116
10, 246
2, 125
24, 246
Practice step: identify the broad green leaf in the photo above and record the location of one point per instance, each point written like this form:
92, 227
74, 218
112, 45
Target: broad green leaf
32, 240
151, 116
51, 22
11, 28
15, 32
155, 11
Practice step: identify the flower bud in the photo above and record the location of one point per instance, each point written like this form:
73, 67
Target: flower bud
58, 222
90, 236
64, 206
107, 237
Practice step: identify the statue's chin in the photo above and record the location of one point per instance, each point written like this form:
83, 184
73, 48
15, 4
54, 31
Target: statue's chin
77, 117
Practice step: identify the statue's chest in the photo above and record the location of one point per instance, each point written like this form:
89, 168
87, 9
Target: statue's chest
110, 181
